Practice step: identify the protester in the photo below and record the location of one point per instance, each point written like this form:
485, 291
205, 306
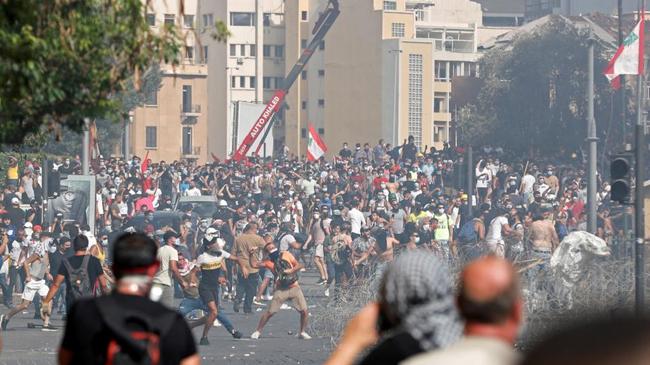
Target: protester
415, 313
100, 329
492, 308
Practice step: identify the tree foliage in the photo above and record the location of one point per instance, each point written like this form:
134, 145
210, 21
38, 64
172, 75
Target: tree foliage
533, 98
65, 60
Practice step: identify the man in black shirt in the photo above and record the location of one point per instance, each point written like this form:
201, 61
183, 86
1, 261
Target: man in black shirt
93, 267
409, 150
94, 323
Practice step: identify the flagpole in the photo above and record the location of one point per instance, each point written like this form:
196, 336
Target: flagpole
639, 277
592, 140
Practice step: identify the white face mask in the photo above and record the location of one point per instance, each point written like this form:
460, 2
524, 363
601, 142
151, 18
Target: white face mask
177, 241
441, 210
105, 242
188, 224
417, 239
316, 216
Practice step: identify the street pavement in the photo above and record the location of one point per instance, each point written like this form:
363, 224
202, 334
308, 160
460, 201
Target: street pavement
278, 344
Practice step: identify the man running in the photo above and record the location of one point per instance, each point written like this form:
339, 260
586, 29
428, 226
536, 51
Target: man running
285, 267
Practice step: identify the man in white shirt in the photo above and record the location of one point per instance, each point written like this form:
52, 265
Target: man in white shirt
193, 190
499, 226
490, 303
168, 258
357, 220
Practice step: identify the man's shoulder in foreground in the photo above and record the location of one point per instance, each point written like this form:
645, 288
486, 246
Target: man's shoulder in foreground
470, 350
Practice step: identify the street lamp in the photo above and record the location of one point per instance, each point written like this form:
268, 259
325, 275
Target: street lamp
231, 117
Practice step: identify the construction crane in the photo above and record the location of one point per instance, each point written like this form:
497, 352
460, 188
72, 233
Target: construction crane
265, 121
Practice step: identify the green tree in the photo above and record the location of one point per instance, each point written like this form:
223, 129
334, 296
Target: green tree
533, 98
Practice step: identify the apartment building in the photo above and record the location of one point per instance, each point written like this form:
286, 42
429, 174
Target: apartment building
246, 68
172, 123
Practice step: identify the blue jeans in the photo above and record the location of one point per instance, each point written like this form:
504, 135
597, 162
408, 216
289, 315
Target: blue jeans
189, 305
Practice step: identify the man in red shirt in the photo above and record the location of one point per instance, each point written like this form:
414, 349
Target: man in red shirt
285, 268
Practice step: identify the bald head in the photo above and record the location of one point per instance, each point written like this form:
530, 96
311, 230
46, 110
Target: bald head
489, 291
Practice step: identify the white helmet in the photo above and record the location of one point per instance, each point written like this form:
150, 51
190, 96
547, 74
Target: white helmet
223, 203
210, 234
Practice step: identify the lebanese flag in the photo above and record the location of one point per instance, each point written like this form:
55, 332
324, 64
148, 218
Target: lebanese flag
628, 59
316, 148
145, 163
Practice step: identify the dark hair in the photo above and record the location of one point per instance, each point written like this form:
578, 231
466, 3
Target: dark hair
80, 242
493, 311
133, 250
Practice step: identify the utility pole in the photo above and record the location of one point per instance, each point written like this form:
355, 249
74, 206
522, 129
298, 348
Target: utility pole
85, 159
592, 140
640, 146
621, 91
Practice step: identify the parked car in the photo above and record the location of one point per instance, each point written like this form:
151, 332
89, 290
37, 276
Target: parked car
159, 219
202, 206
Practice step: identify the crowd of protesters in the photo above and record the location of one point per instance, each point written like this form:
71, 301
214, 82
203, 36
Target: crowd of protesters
346, 218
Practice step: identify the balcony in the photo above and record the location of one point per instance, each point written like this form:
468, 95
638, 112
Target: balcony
191, 152
190, 110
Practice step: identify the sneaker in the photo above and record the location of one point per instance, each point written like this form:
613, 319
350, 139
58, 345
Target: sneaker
256, 302
303, 270
4, 321
236, 334
49, 328
304, 336
327, 292
285, 306
255, 335
204, 341
216, 323
321, 282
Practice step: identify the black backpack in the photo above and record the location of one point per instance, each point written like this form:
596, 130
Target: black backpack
134, 338
284, 280
80, 285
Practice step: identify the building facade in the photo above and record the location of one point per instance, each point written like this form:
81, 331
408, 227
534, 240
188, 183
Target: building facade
172, 123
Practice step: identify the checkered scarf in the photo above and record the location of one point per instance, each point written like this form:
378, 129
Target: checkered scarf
417, 293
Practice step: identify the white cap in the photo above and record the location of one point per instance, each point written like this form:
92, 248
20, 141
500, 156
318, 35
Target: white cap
15, 200
210, 231
28, 225
223, 203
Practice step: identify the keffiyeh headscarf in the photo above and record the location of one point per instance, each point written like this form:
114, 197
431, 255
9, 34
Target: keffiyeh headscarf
416, 296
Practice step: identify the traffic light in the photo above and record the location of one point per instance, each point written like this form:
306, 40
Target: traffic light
620, 169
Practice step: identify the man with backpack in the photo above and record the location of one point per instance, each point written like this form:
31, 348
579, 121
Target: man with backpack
80, 272
285, 267
471, 234
126, 327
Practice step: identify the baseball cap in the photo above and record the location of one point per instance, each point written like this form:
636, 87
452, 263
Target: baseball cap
15, 200
169, 234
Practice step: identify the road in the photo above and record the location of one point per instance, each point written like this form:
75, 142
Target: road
33, 346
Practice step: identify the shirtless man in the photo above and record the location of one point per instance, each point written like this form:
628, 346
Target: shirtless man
543, 241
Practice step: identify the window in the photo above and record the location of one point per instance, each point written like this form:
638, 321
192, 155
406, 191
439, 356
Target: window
242, 19
278, 82
321, 73
303, 75
304, 105
390, 5
189, 53
321, 103
187, 140
303, 133
151, 97
205, 54
233, 50
441, 71
266, 51
440, 103
266, 82
279, 51
151, 137
253, 51
456, 69
303, 43
398, 30
469, 69
208, 20
266, 19
242, 50
170, 19
233, 82
321, 131
151, 19
303, 16
439, 131
415, 97
419, 15
188, 21
321, 46
242, 82
253, 82
187, 98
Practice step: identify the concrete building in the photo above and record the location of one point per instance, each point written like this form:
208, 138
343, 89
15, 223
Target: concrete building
538, 8
172, 125
247, 68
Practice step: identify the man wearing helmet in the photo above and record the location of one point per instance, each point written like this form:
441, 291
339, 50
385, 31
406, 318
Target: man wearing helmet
212, 263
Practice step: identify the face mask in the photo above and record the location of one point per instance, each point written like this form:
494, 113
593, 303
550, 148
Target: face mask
426, 228
188, 224
105, 242
36, 236
383, 186
316, 216
441, 211
417, 239
177, 241
355, 186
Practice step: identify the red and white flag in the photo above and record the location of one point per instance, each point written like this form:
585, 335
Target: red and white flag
628, 59
316, 148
